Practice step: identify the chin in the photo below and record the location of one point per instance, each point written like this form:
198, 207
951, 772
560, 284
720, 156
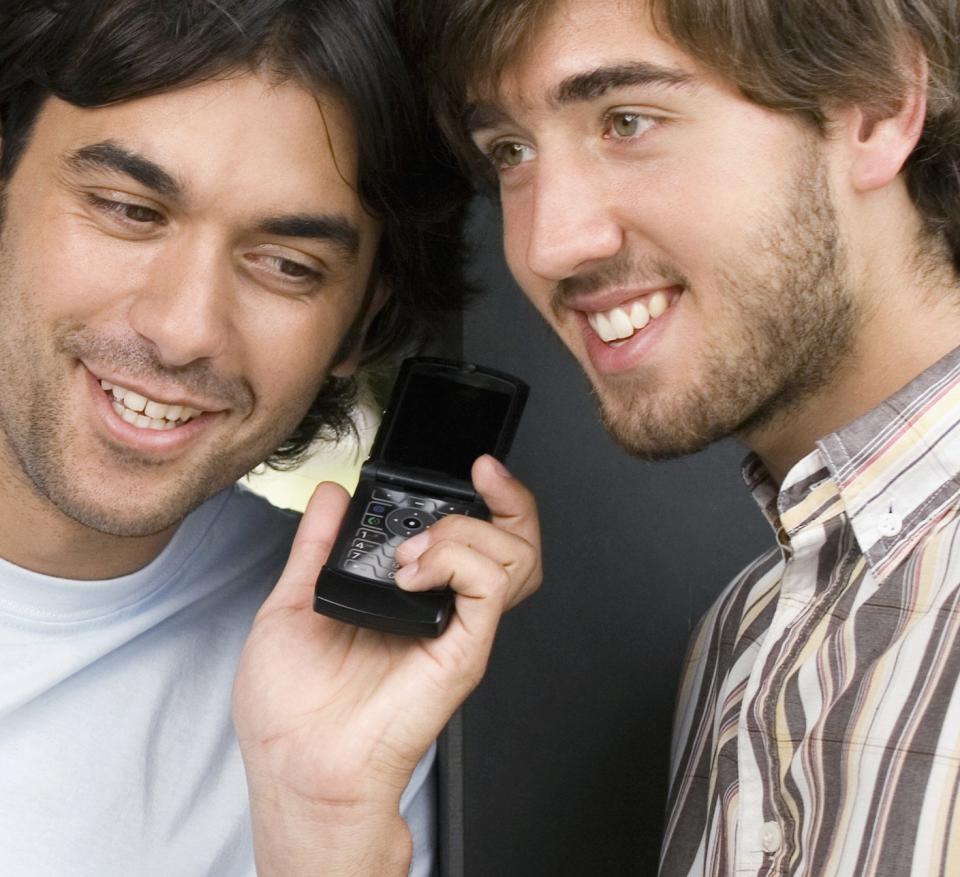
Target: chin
657, 435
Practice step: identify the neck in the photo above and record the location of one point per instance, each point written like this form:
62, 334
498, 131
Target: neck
905, 328
36, 535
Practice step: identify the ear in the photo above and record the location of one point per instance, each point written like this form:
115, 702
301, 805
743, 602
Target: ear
348, 359
880, 140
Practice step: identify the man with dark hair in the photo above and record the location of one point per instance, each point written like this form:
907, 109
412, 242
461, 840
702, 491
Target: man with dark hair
743, 219
212, 214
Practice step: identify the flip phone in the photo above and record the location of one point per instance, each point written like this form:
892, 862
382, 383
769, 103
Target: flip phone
441, 416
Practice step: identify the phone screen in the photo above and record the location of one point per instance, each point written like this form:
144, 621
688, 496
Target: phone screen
445, 425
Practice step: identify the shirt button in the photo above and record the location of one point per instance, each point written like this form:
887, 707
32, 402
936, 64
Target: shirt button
889, 524
770, 837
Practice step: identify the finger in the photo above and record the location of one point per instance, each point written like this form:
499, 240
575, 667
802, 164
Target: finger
315, 536
516, 555
476, 533
512, 506
451, 563
471, 574
484, 588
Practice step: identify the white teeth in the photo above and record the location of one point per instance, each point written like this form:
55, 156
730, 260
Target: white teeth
134, 401
639, 315
658, 304
622, 326
155, 411
601, 325
145, 413
605, 327
620, 323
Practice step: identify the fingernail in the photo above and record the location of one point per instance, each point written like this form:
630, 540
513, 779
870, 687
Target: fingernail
406, 573
500, 469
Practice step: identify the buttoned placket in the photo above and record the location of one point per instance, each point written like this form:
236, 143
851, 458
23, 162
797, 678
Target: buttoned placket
761, 841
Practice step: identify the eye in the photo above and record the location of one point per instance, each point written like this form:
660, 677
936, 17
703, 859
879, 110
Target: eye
280, 271
127, 212
294, 270
626, 125
509, 154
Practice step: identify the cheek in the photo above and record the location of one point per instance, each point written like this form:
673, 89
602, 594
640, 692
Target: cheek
516, 240
79, 273
288, 354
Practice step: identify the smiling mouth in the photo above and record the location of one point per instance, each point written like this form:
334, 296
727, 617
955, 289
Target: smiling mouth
144, 413
618, 325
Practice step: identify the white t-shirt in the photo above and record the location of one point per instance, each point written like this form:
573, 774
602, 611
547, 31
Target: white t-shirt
117, 751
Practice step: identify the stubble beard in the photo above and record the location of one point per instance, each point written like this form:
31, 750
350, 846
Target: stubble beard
95, 491
791, 321
38, 440
91, 492
96, 505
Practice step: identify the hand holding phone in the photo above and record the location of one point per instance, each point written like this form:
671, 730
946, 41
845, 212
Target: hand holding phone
442, 415
328, 715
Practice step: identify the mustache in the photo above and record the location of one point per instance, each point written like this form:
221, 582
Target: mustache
136, 358
620, 271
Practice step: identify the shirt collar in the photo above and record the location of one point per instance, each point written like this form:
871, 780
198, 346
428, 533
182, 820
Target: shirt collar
896, 469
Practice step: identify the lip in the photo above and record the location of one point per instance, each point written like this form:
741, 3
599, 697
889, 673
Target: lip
150, 442
170, 397
631, 353
593, 303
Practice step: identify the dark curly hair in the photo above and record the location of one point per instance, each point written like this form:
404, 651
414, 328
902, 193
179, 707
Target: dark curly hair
92, 53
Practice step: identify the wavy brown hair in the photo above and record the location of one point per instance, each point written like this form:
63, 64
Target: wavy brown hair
795, 56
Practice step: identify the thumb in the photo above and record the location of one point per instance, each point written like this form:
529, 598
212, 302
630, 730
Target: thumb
311, 546
512, 506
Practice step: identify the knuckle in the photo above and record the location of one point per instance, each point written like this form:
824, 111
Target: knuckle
449, 528
446, 546
442, 552
528, 562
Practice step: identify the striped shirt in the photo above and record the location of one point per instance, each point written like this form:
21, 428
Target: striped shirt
818, 722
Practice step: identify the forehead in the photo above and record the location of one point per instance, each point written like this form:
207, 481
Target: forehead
233, 141
579, 36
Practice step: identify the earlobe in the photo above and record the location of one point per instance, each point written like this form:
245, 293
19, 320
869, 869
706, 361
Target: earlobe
348, 358
882, 139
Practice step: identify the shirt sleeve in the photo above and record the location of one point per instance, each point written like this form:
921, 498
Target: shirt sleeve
418, 806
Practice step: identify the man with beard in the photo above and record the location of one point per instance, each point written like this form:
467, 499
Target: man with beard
743, 219
211, 212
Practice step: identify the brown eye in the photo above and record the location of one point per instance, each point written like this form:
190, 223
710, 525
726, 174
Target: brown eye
137, 213
507, 155
287, 274
625, 124
126, 213
294, 269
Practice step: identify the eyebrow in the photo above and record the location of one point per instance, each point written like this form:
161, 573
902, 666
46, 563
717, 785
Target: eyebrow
595, 83
111, 156
334, 229
589, 85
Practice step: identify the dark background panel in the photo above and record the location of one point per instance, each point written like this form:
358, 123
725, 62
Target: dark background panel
566, 742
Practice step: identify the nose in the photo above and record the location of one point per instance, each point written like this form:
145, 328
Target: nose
184, 305
572, 222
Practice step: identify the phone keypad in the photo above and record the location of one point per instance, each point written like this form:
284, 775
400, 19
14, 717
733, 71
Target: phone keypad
389, 518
